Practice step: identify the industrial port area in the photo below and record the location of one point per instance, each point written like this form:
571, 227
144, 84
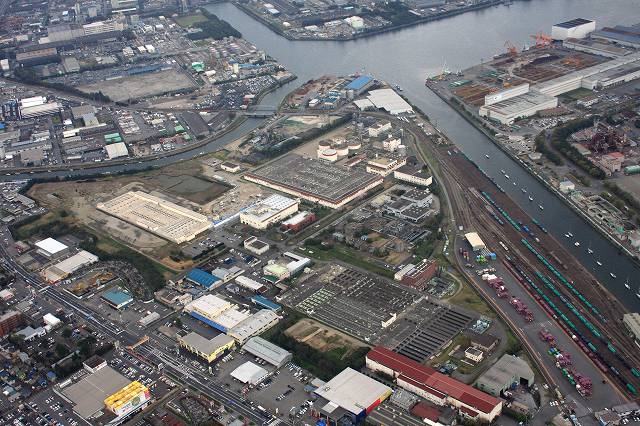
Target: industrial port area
188, 236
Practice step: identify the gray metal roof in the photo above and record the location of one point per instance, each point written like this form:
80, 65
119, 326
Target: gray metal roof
267, 351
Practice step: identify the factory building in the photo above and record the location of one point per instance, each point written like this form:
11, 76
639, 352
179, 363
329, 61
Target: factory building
433, 386
389, 100
413, 175
521, 106
385, 166
379, 128
207, 308
362, 83
349, 396
507, 371
38, 56
267, 351
207, 349
620, 34
314, 180
595, 47
269, 211
116, 150
575, 28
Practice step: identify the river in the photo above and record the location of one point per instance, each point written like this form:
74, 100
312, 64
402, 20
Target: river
406, 56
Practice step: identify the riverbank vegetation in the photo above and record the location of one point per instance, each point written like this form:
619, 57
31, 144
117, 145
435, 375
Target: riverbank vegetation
559, 140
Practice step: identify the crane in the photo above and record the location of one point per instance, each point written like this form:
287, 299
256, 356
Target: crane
542, 40
511, 49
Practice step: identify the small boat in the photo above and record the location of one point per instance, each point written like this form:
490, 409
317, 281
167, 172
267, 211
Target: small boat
487, 155
598, 263
524, 191
507, 176
570, 234
589, 251
541, 208
613, 275
626, 284
577, 244
567, 235
530, 198
515, 184
502, 171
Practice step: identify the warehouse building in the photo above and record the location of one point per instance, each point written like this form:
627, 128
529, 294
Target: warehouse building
207, 349
475, 241
433, 386
314, 180
350, 395
575, 28
420, 274
249, 373
116, 150
360, 84
160, 217
263, 302
267, 351
117, 299
389, 101
256, 324
595, 47
63, 269
203, 278
385, 166
509, 370
249, 284
50, 248
207, 308
269, 211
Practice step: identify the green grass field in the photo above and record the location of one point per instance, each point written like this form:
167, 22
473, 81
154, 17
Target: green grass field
577, 94
188, 21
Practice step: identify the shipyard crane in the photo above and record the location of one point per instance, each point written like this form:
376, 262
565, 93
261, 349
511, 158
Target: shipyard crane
542, 40
511, 49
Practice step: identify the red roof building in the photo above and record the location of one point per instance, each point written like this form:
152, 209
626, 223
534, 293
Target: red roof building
434, 386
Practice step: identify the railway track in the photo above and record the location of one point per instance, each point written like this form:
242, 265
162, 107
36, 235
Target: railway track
607, 322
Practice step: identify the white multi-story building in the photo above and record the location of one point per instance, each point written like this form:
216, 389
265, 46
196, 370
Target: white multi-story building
269, 211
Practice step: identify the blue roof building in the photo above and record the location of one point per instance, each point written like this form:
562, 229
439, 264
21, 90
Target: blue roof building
360, 83
203, 278
117, 299
266, 303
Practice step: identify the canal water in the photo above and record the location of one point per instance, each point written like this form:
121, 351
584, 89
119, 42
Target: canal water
406, 57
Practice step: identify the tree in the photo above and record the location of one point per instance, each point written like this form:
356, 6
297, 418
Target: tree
66, 332
178, 322
61, 350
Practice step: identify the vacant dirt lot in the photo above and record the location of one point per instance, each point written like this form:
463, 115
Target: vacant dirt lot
321, 337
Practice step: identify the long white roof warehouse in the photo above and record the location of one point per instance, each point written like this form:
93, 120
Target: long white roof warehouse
475, 241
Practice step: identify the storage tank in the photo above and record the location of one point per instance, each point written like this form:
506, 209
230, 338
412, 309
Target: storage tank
355, 145
402, 149
329, 154
322, 145
342, 150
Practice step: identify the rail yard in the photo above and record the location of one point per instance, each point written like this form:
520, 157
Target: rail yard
565, 290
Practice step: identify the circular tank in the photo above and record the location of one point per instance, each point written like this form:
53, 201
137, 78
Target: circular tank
342, 150
322, 145
329, 154
354, 145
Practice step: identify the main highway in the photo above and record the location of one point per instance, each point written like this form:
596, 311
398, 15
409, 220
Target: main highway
154, 350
